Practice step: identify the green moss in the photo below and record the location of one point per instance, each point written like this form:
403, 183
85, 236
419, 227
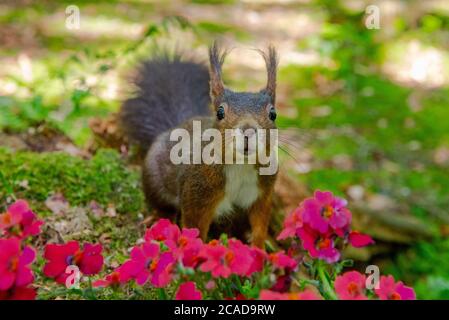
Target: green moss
426, 265
104, 178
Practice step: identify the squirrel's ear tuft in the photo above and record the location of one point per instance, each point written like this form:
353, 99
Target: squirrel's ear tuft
271, 61
216, 58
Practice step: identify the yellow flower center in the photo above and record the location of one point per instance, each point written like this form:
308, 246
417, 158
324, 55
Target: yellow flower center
395, 296
14, 264
353, 289
327, 212
183, 242
324, 243
229, 256
153, 265
5, 218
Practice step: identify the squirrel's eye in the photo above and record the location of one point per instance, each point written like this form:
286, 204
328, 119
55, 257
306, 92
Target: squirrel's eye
220, 112
272, 114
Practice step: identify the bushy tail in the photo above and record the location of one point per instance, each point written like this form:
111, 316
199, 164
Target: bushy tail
169, 91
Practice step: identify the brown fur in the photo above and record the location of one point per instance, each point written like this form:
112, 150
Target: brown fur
194, 191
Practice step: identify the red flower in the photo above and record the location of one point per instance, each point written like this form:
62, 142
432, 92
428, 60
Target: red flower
305, 295
391, 290
188, 291
283, 283
15, 264
20, 221
60, 256
358, 240
351, 286
91, 260
18, 293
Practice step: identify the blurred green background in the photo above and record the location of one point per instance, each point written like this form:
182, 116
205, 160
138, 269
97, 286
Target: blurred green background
367, 110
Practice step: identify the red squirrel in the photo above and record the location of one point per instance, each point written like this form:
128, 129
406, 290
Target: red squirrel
172, 93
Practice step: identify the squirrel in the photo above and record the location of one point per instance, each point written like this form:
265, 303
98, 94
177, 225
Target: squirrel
172, 93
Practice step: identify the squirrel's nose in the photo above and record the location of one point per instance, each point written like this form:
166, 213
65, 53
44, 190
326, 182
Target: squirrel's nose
248, 131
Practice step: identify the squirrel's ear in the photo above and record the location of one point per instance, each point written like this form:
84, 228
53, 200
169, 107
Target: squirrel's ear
216, 58
271, 61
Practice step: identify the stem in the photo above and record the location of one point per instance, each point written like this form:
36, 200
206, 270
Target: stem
238, 282
89, 292
226, 288
162, 294
327, 288
175, 291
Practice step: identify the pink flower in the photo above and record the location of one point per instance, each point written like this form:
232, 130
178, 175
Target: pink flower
282, 261
60, 256
222, 261
188, 291
162, 274
240, 258
187, 247
15, 264
258, 260
318, 245
292, 223
324, 211
217, 258
305, 295
148, 263
391, 290
163, 230
112, 279
351, 286
142, 262
18, 293
20, 221
115, 278
358, 240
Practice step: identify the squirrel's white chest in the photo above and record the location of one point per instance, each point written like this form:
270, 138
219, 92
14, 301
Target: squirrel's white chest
241, 190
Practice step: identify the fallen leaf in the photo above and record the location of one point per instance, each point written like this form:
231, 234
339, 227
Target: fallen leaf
57, 203
96, 209
111, 212
441, 156
73, 224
